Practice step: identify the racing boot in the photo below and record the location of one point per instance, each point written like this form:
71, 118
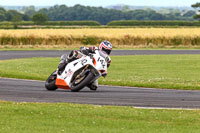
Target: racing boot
93, 86
62, 64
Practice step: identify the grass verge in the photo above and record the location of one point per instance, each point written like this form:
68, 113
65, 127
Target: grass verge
155, 71
62, 117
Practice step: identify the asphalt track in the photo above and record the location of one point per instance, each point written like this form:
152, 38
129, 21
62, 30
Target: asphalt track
4, 55
34, 91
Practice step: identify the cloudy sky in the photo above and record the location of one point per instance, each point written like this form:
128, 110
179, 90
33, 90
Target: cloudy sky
99, 2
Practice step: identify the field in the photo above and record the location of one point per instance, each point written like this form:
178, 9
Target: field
70, 118
120, 38
154, 71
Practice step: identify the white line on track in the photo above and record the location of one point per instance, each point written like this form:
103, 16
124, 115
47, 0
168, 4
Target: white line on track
166, 108
21, 79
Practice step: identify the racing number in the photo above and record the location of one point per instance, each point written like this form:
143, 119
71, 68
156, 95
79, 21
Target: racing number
83, 61
102, 62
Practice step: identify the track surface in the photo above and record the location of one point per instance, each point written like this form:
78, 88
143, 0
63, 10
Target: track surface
57, 53
34, 91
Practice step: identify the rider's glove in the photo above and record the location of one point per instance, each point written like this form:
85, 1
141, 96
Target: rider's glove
84, 50
91, 49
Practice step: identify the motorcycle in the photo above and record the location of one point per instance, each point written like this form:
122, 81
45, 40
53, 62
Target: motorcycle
79, 73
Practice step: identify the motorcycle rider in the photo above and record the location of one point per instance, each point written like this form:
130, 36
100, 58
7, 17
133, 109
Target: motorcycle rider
105, 47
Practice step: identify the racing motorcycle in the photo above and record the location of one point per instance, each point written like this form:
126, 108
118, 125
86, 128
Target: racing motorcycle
79, 73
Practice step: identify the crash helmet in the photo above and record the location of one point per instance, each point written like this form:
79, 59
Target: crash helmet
106, 47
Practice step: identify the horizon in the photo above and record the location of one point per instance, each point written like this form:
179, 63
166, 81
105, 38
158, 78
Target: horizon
102, 3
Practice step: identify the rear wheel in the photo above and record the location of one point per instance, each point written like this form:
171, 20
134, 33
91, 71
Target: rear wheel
81, 82
50, 83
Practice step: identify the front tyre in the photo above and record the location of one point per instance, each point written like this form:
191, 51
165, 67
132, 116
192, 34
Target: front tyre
50, 83
86, 80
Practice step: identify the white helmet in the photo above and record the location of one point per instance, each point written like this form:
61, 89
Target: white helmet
106, 46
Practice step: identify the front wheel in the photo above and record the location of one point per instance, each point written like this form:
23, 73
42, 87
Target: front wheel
85, 80
50, 83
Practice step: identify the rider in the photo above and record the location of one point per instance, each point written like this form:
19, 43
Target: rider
105, 47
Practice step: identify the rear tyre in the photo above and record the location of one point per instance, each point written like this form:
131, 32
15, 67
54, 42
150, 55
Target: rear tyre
50, 83
83, 83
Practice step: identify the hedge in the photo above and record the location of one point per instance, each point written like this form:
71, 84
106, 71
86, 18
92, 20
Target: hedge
153, 23
56, 23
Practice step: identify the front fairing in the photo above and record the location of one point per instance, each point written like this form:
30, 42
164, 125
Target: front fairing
73, 67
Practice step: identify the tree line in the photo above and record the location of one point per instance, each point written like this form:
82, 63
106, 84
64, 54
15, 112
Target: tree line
80, 13
11, 15
104, 15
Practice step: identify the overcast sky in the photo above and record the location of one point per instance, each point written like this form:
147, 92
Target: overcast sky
99, 2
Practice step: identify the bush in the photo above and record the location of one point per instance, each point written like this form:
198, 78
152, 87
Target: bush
39, 18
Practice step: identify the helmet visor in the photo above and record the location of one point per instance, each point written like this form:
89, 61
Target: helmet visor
106, 50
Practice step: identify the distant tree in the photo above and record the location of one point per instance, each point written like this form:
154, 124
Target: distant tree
25, 17
197, 6
189, 13
16, 20
164, 10
43, 10
2, 17
39, 18
30, 10
11, 14
125, 8
2, 14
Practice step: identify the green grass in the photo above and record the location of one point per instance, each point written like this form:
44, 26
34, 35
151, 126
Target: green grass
155, 71
75, 118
